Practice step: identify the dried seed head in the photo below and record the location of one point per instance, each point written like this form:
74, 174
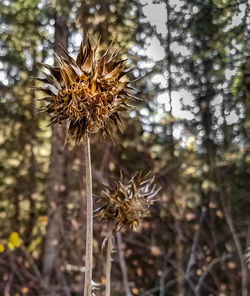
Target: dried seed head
127, 204
90, 92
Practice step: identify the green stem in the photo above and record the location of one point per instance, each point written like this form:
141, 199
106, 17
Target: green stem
89, 231
109, 261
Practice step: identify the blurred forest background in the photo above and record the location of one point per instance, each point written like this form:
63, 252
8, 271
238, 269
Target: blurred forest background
191, 129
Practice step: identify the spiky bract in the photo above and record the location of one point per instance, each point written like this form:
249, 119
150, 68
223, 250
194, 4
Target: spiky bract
127, 204
90, 92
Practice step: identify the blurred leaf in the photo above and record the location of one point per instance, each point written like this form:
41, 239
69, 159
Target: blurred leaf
2, 248
14, 241
155, 251
34, 244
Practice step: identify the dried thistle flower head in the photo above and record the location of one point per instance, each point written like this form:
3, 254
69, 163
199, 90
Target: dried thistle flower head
127, 204
90, 92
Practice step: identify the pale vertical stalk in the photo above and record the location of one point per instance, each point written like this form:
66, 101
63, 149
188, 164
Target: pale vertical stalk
109, 261
123, 265
89, 230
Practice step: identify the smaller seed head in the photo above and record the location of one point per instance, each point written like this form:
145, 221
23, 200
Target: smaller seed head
128, 203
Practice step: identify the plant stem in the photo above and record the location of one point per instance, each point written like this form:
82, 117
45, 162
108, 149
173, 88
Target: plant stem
123, 265
109, 261
89, 231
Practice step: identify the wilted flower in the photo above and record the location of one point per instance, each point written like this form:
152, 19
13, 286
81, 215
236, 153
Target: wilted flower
127, 204
90, 92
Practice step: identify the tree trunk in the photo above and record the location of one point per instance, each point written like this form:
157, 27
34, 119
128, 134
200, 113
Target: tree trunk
57, 192
179, 265
32, 166
169, 62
